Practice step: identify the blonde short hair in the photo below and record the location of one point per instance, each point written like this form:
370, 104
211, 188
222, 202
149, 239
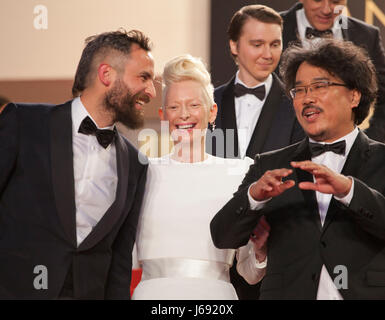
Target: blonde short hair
187, 67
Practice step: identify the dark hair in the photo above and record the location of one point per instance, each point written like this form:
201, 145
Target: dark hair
256, 11
340, 59
102, 45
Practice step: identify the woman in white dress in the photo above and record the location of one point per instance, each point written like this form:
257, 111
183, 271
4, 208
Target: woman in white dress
184, 190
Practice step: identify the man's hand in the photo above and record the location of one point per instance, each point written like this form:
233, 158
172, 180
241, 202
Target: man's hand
259, 239
326, 180
271, 185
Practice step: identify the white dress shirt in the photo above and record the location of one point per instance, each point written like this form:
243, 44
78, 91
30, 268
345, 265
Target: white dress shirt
247, 111
95, 174
326, 288
303, 23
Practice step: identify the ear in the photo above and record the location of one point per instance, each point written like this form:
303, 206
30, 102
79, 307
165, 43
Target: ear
161, 114
233, 47
356, 98
105, 74
213, 113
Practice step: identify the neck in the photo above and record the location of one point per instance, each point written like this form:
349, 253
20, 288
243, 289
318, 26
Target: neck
94, 105
332, 138
249, 80
190, 152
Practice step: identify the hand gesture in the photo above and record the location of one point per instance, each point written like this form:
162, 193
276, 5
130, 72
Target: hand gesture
326, 180
271, 184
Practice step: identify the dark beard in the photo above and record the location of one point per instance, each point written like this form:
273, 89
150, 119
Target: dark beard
121, 103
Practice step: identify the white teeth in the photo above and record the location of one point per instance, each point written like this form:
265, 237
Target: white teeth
140, 102
185, 126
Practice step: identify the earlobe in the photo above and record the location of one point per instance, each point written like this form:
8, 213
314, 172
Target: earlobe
104, 74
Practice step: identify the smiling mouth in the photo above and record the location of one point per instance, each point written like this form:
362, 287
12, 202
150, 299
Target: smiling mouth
186, 126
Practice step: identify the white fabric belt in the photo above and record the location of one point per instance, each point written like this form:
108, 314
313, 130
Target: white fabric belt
185, 268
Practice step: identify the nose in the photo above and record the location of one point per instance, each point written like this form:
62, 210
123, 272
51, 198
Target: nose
309, 96
184, 112
267, 52
150, 90
326, 8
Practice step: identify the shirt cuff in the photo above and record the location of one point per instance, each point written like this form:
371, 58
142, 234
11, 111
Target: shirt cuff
254, 204
348, 198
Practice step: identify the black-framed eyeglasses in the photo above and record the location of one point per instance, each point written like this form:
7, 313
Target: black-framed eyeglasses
316, 88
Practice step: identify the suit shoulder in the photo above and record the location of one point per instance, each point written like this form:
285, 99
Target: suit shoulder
282, 152
376, 146
363, 26
34, 107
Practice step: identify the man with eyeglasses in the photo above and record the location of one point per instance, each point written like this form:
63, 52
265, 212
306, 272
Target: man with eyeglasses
323, 197
308, 21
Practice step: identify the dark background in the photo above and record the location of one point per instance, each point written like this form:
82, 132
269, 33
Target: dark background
222, 65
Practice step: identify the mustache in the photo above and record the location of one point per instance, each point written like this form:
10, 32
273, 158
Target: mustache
311, 106
141, 96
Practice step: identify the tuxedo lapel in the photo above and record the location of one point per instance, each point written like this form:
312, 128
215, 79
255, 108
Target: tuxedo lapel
265, 120
357, 157
115, 211
302, 154
228, 118
62, 168
290, 29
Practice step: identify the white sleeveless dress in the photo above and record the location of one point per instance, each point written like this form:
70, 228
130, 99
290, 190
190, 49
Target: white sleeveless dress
174, 246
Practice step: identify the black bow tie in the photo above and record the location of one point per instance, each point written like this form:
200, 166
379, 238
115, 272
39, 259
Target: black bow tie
317, 148
240, 90
104, 136
314, 33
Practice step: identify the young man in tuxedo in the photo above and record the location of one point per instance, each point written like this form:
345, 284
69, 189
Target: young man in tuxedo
71, 186
323, 197
254, 114
252, 106
309, 20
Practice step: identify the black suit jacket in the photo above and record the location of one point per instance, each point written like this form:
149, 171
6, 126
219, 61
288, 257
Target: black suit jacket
37, 210
277, 125
298, 246
362, 35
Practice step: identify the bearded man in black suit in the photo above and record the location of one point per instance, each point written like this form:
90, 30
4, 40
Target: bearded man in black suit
71, 186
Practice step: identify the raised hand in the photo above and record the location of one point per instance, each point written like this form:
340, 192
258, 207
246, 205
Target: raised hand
271, 184
326, 180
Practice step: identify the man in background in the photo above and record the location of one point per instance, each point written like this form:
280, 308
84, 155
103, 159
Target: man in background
309, 20
254, 113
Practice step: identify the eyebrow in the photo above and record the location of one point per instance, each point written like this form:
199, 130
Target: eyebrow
313, 80
263, 41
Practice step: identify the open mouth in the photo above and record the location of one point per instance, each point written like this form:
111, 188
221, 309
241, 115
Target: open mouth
186, 126
311, 113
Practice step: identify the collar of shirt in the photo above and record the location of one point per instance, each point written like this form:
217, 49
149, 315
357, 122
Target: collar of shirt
78, 113
268, 83
349, 139
303, 23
